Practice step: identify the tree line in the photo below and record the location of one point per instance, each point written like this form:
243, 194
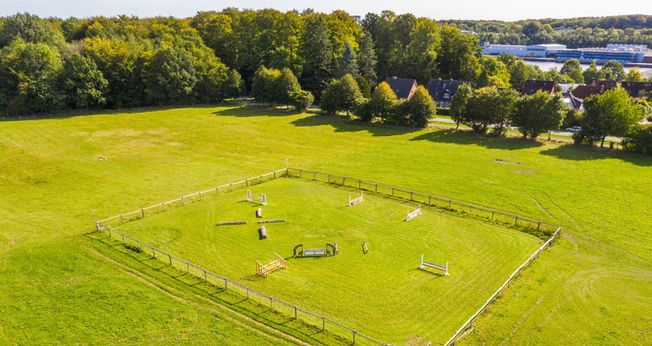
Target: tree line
574, 32
161, 61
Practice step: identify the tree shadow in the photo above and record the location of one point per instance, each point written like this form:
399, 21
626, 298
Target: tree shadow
340, 124
468, 138
257, 111
585, 153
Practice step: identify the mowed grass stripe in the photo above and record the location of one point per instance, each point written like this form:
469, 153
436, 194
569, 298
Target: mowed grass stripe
382, 293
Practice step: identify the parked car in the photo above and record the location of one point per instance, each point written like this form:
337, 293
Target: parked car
574, 129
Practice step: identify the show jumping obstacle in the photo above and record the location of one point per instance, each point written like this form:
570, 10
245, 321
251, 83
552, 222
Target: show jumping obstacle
266, 269
425, 264
262, 199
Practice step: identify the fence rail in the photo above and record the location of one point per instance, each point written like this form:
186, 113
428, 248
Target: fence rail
229, 284
495, 215
190, 198
506, 284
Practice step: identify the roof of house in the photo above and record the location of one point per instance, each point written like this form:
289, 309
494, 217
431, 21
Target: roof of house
581, 92
531, 86
584, 91
443, 89
402, 87
606, 83
636, 88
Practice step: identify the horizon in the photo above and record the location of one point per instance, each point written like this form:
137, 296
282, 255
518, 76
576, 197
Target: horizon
476, 10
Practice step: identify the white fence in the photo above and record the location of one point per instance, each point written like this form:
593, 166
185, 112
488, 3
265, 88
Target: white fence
460, 332
397, 192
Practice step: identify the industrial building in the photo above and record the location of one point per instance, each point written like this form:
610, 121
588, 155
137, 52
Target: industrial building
625, 53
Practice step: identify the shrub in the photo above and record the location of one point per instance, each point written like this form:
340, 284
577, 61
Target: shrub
300, 100
639, 140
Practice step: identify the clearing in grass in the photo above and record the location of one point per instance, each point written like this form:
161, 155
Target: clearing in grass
381, 293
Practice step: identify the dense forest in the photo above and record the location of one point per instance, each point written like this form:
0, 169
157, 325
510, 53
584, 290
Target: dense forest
574, 32
50, 64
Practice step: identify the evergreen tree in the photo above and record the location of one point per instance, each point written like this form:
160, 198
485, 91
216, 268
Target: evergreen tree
367, 59
317, 54
348, 62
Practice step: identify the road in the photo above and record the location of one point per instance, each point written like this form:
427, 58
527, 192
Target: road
559, 133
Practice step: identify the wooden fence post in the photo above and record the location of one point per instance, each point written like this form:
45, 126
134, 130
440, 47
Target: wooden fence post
170, 259
295, 313
323, 323
142, 212
515, 220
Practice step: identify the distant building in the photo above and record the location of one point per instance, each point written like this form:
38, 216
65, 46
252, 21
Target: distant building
404, 88
626, 53
536, 50
602, 55
636, 89
442, 90
531, 86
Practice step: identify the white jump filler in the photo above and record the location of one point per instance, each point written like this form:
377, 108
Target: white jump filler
425, 264
262, 199
412, 214
357, 200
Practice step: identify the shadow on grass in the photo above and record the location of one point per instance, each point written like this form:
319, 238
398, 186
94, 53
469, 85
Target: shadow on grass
255, 306
73, 113
469, 138
347, 125
256, 111
585, 153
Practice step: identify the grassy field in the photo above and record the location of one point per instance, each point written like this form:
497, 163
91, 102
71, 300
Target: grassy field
593, 286
360, 290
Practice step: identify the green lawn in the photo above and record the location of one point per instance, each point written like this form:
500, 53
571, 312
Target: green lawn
360, 290
593, 286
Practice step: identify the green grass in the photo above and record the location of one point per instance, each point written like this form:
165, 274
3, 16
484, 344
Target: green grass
592, 286
356, 289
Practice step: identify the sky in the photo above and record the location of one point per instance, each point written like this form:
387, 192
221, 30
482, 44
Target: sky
437, 9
